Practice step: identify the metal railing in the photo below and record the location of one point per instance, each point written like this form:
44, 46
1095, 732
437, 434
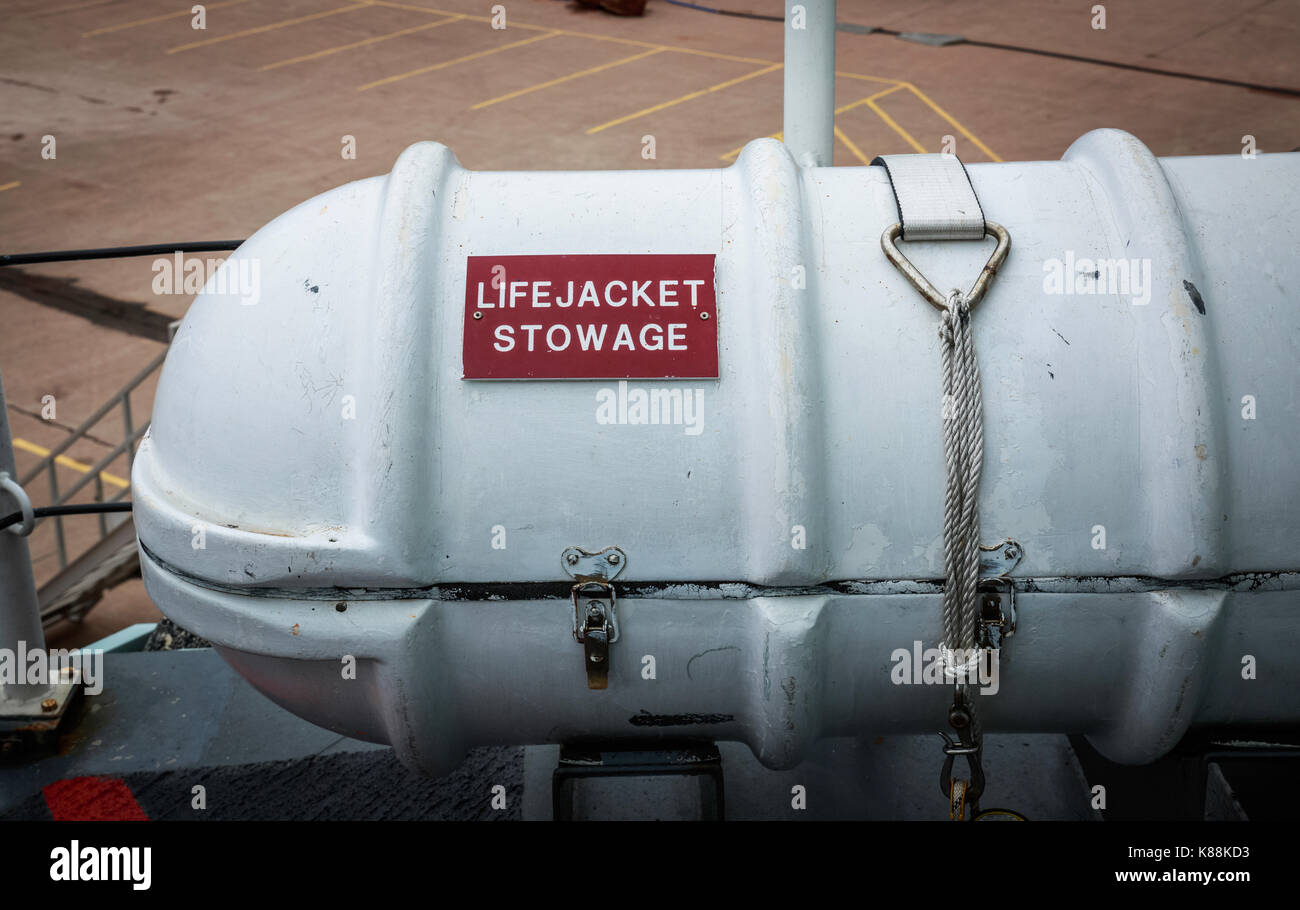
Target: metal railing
94, 475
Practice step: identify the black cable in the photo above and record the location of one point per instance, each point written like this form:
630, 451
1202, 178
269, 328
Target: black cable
83, 508
1016, 48
1135, 67
114, 252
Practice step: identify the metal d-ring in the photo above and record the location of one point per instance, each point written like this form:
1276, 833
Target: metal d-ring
889, 243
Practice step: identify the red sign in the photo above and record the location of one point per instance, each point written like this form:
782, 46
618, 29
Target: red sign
591, 317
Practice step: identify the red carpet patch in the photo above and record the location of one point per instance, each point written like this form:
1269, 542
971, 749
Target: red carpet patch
92, 799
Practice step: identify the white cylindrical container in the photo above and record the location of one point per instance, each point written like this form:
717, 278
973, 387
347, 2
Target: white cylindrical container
321, 479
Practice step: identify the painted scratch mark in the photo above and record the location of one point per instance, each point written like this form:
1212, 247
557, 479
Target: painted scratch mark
646, 719
702, 653
1197, 300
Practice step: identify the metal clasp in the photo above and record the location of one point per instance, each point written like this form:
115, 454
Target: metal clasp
997, 616
595, 621
889, 243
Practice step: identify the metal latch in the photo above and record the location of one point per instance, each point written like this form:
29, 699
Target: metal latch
997, 595
997, 616
595, 621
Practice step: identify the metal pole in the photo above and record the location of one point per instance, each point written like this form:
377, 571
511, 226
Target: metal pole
20, 612
810, 81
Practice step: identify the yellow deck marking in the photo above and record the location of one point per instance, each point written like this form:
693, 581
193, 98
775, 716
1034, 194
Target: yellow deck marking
74, 8
898, 82
261, 29
839, 110
67, 462
861, 101
446, 63
952, 120
890, 122
568, 33
736, 151
10, 186
587, 72
179, 14
687, 97
839, 134
355, 44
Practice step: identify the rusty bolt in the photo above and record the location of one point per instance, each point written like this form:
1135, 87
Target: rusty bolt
48, 705
613, 559
572, 559
1011, 553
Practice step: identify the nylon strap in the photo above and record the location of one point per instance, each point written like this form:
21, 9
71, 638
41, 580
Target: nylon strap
936, 201
935, 198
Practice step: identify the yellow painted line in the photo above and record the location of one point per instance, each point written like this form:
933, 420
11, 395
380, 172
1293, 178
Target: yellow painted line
712, 55
446, 63
10, 186
284, 23
688, 97
355, 44
894, 83
893, 125
952, 120
839, 134
429, 9
76, 7
736, 151
898, 82
568, 33
843, 137
839, 110
577, 75
67, 462
861, 101
180, 14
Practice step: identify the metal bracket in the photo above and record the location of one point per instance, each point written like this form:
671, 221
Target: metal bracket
582, 765
595, 621
1001, 559
603, 565
31, 718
